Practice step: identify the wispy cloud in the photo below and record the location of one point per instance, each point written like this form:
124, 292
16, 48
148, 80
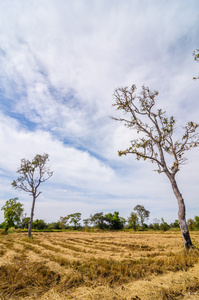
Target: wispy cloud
60, 63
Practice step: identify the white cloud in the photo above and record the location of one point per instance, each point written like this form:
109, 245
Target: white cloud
60, 63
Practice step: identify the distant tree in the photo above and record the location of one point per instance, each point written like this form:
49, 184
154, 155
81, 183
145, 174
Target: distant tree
13, 211
25, 222
157, 142
54, 225
63, 221
196, 58
191, 224
32, 174
145, 226
39, 224
142, 213
86, 222
133, 221
175, 224
163, 225
114, 221
156, 224
196, 220
98, 220
123, 221
75, 219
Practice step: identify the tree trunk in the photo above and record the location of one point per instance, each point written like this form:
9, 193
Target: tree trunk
181, 215
31, 216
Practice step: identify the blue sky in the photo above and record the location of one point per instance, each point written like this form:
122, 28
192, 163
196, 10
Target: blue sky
60, 64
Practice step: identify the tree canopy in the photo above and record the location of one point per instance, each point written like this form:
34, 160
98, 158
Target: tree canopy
142, 213
32, 174
157, 139
13, 211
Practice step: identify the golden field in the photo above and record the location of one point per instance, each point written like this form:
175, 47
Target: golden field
98, 265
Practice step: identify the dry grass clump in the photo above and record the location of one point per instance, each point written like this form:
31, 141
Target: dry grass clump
25, 278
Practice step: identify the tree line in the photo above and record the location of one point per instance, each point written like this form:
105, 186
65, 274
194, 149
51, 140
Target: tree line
14, 217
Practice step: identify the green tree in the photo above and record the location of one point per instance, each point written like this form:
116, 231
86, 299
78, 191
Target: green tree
114, 221
196, 220
13, 211
157, 142
156, 224
86, 222
191, 224
163, 225
142, 213
39, 224
98, 220
175, 224
54, 225
32, 174
25, 222
75, 219
63, 221
133, 221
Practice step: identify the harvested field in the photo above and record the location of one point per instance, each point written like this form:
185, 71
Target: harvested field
98, 265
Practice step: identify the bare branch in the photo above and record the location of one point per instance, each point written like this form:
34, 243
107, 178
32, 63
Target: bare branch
158, 141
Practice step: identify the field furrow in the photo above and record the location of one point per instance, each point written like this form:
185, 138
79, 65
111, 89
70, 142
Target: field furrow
69, 264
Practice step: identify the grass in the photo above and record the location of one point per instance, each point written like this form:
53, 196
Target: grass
85, 265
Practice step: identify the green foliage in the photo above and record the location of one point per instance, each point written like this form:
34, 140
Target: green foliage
133, 221
114, 221
25, 222
2, 225
156, 224
86, 222
70, 220
196, 219
54, 225
163, 225
193, 223
142, 213
175, 224
39, 224
75, 220
13, 211
98, 220
63, 221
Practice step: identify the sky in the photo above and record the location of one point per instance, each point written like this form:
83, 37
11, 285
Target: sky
60, 62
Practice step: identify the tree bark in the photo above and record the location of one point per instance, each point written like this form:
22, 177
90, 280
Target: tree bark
31, 216
181, 215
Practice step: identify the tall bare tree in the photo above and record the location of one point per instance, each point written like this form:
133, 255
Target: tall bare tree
32, 174
157, 142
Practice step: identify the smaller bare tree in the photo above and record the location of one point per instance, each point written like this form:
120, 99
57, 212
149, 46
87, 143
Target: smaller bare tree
32, 174
157, 142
